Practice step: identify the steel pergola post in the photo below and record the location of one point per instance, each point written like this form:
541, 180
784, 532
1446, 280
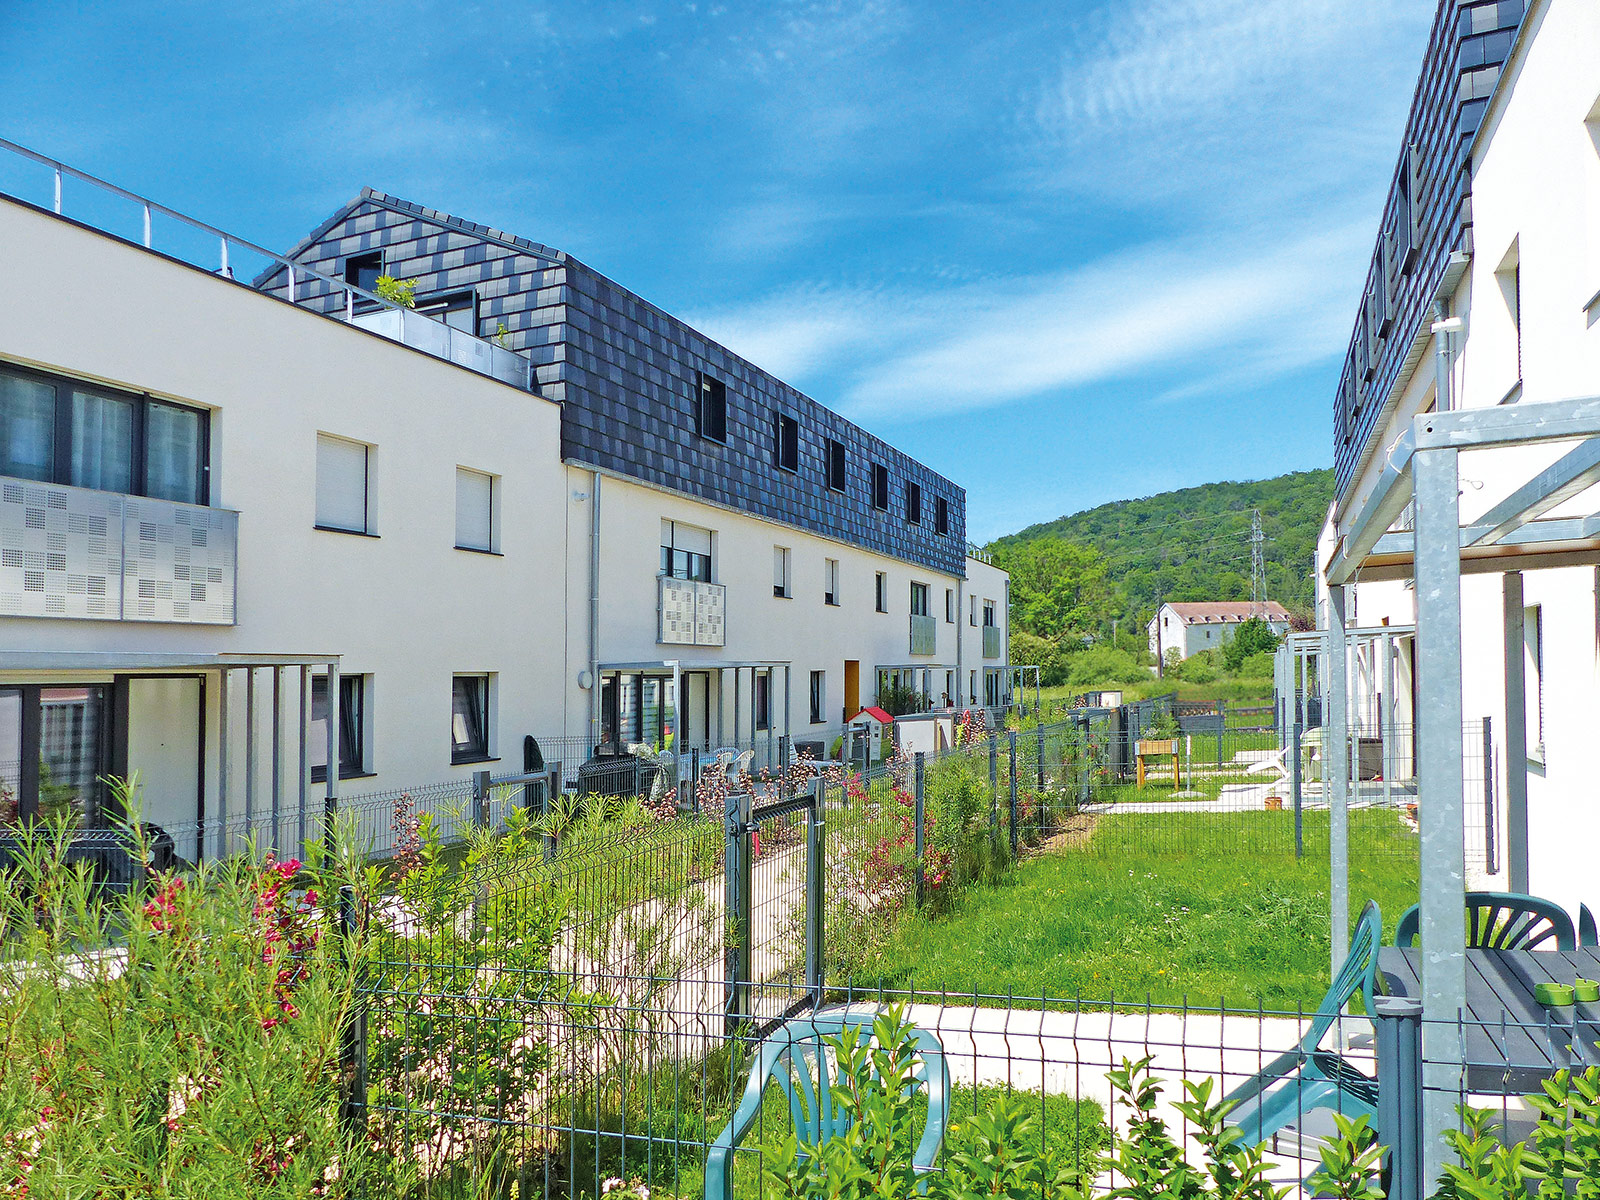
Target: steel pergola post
1335, 772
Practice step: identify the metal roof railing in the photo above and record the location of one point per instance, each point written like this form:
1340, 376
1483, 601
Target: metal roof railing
300, 280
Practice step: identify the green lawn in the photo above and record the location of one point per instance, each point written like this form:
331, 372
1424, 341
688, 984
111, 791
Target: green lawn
1218, 909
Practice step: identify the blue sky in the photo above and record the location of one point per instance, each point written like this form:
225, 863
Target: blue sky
1065, 252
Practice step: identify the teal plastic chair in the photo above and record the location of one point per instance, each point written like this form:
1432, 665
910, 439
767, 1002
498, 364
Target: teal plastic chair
797, 1058
1308, 1078
1503, 921
1587, 934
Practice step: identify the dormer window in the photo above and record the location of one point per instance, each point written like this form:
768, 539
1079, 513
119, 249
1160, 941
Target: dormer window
362, 270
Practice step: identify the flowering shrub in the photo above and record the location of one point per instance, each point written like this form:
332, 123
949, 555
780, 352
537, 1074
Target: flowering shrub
181, 1038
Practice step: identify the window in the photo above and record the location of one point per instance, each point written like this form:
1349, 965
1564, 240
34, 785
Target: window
58, 431
835, 465
459, 310
475, 523
949, 606
880, 487
941, 516
972, 611
780, 571
685, 551
362, 270
785, 443
344, 484
819, 695
988, 614
352, 726
919, 599
883, 592
830, 581
711, 409
469, 719
1509, 276
913, 504
972, 688
1533, 679
762, 700
55, 751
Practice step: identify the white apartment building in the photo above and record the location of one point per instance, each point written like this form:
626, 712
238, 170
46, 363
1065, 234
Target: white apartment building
1190, 627
1504, 322
244, 528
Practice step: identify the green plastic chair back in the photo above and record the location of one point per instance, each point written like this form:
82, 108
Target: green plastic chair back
796, 1057
1504, 921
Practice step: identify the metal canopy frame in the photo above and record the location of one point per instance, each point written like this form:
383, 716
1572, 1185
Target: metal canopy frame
1422, 470
218, 826
677, 667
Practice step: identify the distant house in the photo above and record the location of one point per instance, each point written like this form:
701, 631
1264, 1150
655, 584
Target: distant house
1206, 625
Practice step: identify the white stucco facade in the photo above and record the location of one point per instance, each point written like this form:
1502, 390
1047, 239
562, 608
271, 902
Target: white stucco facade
1528, 303
399, 605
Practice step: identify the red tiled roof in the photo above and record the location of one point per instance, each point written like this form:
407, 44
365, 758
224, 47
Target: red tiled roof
875, 711
1226, 612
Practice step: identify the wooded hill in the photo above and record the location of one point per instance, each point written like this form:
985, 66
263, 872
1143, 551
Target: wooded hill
1192, 544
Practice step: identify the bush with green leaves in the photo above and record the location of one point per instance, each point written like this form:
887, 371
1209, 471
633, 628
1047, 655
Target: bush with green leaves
176, 1038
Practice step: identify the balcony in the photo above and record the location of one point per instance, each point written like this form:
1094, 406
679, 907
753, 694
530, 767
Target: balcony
442, 341
924, 635
690, 613
991, 641
80, 554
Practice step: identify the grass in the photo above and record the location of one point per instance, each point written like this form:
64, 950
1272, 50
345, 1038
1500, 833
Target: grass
1197, 906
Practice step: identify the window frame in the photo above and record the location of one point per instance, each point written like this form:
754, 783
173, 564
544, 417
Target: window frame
494, 514
913, 502
880, 487
836, 466
785, 443
830, 582
782, 573
882, 594
990, 615
919, 590
819, 697
761, 700
367, 448
691, 558
941, 516
356, 262
709, 387
352, 721
483, 749
438, 305
949, 606
64, 386
101, 802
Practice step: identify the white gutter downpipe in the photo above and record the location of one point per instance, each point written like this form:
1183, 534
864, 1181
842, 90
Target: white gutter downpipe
1443, 326
594, 609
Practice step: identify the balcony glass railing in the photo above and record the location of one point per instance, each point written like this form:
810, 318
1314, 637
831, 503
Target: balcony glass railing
81, 554
991, 641
924, 635
689, 612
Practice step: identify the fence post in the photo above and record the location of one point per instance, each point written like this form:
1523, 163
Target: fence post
353, 1037
480, 799
816, 849
547, 799
994, 762
1295, 784
1086, 760
917, 796
1491, 854
1040, 731
1222, 727
785, 744
1012, 751
736, 914
1398, 1023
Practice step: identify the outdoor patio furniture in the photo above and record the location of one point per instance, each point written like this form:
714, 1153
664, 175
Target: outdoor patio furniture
795, 1056
1503, 921
1511, 1042
1307, 1077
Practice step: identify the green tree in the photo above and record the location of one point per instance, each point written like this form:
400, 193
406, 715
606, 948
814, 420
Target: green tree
1059, 589
1254, 636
